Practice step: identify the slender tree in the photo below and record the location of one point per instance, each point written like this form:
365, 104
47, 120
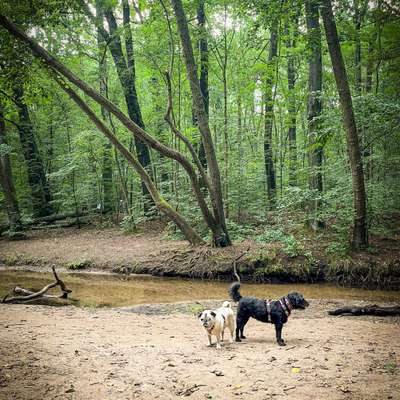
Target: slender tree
222, 238
107, 184
291, 35
314, 107
40, 189
203, 49
7, 180
360, 232
126, 71
269, 116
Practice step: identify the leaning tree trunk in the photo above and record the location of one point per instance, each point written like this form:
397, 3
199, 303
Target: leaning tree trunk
269, 119
161, 204
40, 189
221, 238
314, 106
106, 170
7, 182
203, 48
125, 68
54, 65
360, 232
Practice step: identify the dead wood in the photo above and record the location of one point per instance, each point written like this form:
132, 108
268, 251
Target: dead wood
367, 310
28, 295
235, 262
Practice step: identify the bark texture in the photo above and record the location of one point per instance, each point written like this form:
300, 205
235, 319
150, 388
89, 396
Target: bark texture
360, 232
7, 182
269, 118
314, 107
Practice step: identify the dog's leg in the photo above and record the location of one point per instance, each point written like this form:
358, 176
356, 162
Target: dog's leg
278, 330
231, 330
218, 340
241, 333
241, 321
209, 340
222, 335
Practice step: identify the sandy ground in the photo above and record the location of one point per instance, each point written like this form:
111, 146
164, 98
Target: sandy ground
72, 353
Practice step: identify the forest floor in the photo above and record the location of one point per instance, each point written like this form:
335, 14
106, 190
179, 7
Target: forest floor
83, 353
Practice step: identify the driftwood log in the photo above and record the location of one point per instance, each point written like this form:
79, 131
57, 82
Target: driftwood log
371, 309
29, 296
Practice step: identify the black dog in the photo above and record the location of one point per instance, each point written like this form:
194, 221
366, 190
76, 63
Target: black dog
274, 312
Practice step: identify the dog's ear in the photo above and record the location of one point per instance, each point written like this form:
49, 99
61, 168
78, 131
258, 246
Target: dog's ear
199, 314
213, 314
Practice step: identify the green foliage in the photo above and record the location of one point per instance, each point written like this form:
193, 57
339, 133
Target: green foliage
73, 150
291, 246
79, 265
129, 224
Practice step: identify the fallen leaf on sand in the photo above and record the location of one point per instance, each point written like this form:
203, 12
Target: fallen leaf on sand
295, 370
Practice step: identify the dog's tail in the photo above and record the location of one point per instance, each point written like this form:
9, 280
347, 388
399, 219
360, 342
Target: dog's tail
226, 304
234, 291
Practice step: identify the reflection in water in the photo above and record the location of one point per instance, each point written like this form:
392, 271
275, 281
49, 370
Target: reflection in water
118, 290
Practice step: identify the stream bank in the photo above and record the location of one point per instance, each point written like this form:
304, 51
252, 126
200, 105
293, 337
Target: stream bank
109, 250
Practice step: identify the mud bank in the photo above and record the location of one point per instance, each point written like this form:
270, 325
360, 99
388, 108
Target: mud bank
150, 253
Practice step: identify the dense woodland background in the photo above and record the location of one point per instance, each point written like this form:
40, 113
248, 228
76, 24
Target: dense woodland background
269, 99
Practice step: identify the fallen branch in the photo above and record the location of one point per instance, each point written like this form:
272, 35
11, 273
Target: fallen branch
367, 310
235, 261
30, 296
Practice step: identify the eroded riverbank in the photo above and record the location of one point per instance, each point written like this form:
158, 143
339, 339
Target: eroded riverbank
150, 253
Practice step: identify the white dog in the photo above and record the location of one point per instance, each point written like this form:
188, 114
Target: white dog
215, 322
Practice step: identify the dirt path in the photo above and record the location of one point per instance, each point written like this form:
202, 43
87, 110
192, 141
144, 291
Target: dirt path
105, 248
72, 353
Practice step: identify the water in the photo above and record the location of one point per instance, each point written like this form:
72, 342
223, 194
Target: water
117, 291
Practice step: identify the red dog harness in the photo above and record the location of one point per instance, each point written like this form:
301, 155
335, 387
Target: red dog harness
285, 304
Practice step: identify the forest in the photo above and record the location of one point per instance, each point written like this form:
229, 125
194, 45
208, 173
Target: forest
227, 120
171, 170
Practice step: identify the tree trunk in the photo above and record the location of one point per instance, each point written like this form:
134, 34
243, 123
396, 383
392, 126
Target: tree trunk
203, 48
269, 118
7, 182
221, 238
291, 74
40, 190
360, 233
106, 173
357, 50
367, 310
370, 68
126, 75
240, 157
314, 107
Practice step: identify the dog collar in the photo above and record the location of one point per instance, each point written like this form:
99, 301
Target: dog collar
209, 330
286, 305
